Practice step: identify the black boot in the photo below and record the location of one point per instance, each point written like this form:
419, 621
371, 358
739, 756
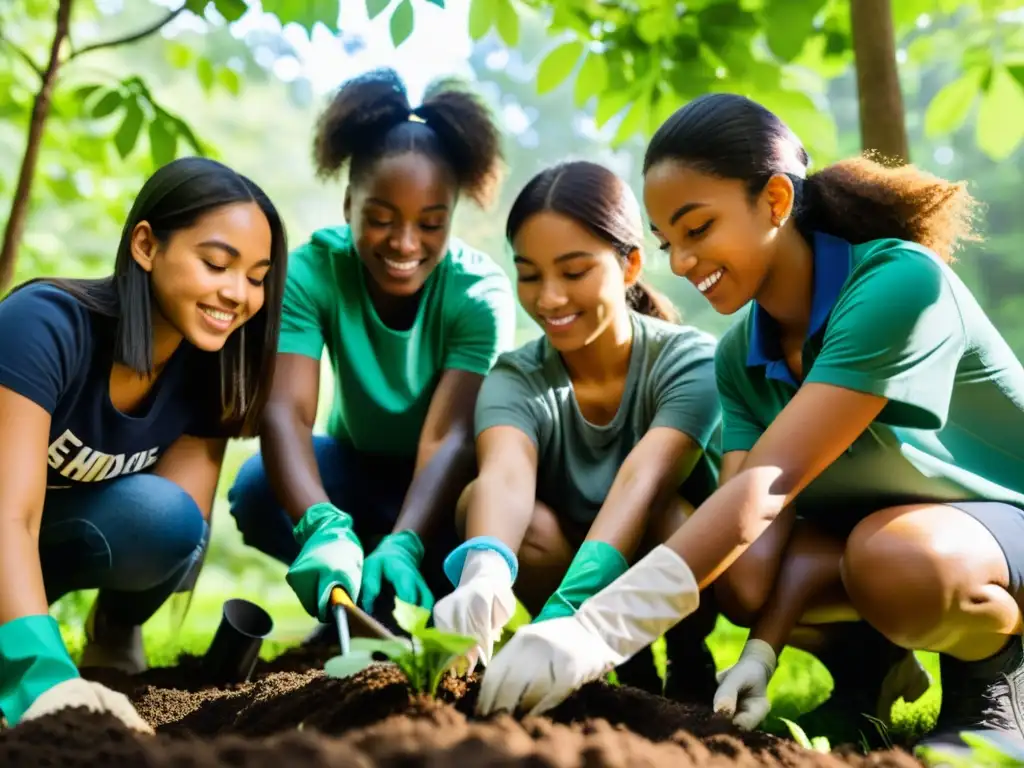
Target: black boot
869, 673
984, 698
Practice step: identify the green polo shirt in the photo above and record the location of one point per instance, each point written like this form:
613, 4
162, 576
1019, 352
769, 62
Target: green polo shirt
891, 319
384, 379
670, 383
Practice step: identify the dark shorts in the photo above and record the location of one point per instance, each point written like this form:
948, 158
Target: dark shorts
1006, 524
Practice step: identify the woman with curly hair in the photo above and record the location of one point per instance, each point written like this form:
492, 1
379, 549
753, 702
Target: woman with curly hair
412, 319
873, 460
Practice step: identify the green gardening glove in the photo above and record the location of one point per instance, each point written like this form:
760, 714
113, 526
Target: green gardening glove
331, 556
396, 560
33, 659
595, 566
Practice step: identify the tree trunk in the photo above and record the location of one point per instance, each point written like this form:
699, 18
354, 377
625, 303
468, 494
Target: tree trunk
882, 126
40, 112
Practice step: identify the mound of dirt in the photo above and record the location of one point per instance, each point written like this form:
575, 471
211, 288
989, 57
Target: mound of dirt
292, 713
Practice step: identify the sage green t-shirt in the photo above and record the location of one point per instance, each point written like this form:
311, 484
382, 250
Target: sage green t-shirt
895, 321
384, 379
670, 383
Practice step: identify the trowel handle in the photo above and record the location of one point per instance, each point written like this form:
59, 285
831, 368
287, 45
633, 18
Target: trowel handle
340, 597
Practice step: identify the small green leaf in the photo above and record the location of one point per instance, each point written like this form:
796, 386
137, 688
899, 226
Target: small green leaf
820, 744
950, 106
108, 104
375, 8
789, 24
179, 55
348, 665
198, 7
163, 141
393, 649
204, 70
434, 640
557, 65
1000, 122
231, 80
128, 133
797, 733
635, 120
592, 78
1017, 70
609, 104
482, 16
401, 22
508, 22
231, 10
83, 93
412, 618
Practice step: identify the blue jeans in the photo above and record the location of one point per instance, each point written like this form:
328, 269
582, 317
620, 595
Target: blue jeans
370, 488
136, 539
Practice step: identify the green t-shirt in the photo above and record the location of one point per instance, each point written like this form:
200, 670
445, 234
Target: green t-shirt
384, 379
891, 319
670, 383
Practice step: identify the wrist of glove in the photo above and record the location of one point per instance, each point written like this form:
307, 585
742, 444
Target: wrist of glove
331, 556
396, 560
742, 693
544, 663
481, 604
34, 661
596, 565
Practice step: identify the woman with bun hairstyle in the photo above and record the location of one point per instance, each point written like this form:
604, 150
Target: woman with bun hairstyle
412, 319
117, 399
595, 440
872, 422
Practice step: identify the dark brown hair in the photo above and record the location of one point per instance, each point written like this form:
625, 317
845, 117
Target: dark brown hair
858, 200
370, 118
599, 200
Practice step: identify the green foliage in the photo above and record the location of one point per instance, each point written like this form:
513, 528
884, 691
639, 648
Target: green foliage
817, 744
425, 656
983, 753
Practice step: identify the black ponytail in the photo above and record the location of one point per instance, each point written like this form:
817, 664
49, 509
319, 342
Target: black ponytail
371, 118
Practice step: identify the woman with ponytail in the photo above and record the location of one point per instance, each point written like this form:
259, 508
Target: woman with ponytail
412, 320
595, 440
873, 464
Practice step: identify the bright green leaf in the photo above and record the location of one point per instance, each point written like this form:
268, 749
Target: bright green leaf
305, 13
105, 106
592, 78
128, 133
950, 106
163, 141
1018, 73
348, 665
375, 8
390, 648
482, 16
508, 22
198, 7
401, 22
179, 54
1000, 123
635, 120
412, 618
609, 104
798, 734
83, 93
434, 640
231, 80
231, 10
789, 24
204, 70
557, 65
650, 26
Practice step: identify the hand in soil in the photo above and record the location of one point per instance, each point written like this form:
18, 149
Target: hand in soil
77, 692
742, 693
396, 561
480, 606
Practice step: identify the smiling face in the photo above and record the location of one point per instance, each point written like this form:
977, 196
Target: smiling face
717, 237
571, 282
207, 280
400, 215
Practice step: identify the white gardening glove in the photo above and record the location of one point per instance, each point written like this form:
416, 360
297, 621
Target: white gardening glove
544, 663
481, 605
742, 693
77, 692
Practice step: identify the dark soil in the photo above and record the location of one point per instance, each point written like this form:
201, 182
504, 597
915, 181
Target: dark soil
291, 713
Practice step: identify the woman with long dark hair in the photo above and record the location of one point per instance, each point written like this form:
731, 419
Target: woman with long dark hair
596, 440
117, 397
873, 467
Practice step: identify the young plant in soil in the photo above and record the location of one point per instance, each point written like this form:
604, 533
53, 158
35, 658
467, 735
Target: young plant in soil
425, 656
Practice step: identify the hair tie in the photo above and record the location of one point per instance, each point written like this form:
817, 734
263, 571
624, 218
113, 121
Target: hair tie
414, 116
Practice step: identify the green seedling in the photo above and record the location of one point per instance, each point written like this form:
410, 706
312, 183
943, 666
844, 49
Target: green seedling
817, 744
425, 656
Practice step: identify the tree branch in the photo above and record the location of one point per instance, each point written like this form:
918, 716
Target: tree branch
132, 38
23, 56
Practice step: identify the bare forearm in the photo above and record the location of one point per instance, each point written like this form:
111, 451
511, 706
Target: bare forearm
502, 508
289, 461
626, 512
440, 477
21, 575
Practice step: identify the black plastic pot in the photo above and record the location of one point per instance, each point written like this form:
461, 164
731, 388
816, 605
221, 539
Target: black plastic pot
235, 648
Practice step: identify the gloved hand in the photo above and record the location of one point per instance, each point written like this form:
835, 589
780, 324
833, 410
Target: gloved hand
331, 556
396, 560
481, 604
93, 696
38, 676
543, 663
596, 565
742, 693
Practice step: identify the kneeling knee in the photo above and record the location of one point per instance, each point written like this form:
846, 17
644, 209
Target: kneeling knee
170, 530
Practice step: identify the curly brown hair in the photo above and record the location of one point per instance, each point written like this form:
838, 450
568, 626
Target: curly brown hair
858, 200
370, 118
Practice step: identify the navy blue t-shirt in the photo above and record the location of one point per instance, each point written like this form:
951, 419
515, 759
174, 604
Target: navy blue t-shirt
57, 353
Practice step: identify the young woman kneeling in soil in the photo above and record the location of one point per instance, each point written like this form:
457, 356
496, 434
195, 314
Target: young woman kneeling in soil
593, 440
412, 320
117, 397
872, 423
